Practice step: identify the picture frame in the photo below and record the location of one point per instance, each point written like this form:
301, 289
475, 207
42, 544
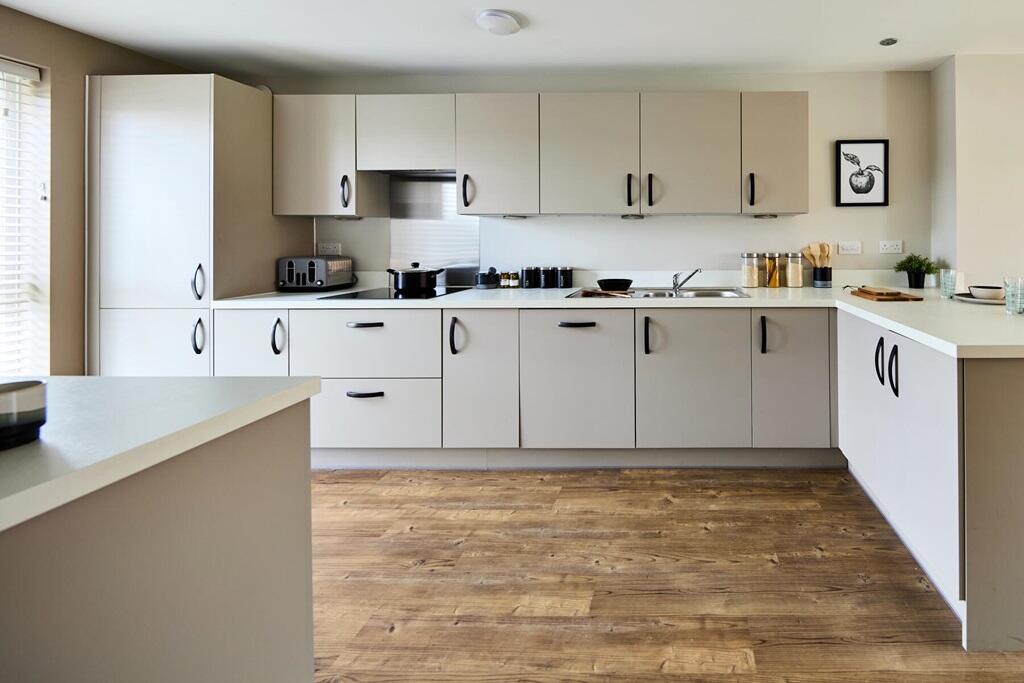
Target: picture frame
862, 172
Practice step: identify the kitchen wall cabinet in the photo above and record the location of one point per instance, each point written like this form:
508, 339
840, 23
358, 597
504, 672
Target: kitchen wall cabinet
315, 160
405, 132
168, 342
376, 413
576, 378
690, 152
590, 153
250, 343
790, 378
480, 371
496, 153
775, 152
693, 378
900, 429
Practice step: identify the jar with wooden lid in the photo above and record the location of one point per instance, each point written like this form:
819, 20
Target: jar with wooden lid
748, 270
772, 263
794, 269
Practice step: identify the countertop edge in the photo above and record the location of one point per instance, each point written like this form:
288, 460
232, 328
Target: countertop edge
25, 505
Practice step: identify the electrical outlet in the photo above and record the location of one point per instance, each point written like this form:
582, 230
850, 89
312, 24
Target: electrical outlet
890, 247
328, 248
850, 248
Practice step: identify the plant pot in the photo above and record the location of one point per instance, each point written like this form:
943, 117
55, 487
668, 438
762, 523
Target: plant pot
915, 280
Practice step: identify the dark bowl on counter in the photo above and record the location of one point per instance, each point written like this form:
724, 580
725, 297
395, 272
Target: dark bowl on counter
615, 284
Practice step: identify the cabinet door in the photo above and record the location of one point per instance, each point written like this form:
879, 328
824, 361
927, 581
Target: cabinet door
405, 132
315, 155
690, 152
862, 390
692, 378
496, 154
576, 378
250, 343
156, 342
376, 413
590, 153
481, 379
790, 378
153, 190
774, 152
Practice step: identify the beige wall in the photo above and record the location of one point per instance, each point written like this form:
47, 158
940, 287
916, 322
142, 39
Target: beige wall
894, 105
67, 57
944, 162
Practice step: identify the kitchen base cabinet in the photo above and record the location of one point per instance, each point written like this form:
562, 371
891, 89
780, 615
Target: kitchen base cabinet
250, 343
692, 378
790, 378
155, 342
576, 378
376, 413
480, 386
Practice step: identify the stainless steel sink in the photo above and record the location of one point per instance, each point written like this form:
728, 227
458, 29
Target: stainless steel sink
689, 293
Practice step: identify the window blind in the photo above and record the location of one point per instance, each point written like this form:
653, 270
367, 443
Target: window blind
24, 221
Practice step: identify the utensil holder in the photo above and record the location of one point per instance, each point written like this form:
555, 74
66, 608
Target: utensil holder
822, 277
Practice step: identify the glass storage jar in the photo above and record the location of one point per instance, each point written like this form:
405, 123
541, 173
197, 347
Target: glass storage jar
772, 262
794, 269
748, 270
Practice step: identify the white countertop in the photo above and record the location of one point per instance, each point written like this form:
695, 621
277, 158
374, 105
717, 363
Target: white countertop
955, 328
100, 430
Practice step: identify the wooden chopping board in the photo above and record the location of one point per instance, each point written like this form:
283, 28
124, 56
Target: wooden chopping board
890, 295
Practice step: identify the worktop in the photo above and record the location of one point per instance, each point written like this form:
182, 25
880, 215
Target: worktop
101, 430
954, 328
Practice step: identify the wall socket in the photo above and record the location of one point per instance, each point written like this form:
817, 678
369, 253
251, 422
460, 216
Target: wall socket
328, 248
890, 247
849, 248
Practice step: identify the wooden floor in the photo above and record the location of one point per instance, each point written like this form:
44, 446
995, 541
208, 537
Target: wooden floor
623, 575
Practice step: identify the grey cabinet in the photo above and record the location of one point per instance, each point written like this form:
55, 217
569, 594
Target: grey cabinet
480, 386
576, 378
589, 153
775, 152
496, 153
405, 132
690, 152
692, 378
790, 378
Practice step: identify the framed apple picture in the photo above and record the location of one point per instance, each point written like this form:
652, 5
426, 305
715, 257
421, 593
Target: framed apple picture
862, 173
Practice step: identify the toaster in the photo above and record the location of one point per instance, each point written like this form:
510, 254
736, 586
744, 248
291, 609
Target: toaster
314, 273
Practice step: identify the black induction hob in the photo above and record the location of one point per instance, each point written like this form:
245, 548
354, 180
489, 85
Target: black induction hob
388, 293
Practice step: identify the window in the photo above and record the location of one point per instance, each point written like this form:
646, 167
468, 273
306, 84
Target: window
24, 220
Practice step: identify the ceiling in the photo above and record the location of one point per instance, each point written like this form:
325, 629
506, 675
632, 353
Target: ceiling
319, 37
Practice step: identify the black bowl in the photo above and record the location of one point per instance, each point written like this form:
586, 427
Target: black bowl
615, 284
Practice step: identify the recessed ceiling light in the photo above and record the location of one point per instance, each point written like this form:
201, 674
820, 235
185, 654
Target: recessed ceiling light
499, 22
886, 42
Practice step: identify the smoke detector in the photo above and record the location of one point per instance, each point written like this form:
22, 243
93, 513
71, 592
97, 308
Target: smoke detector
499, 22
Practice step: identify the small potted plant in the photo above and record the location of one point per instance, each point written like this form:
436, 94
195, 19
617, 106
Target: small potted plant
916, 267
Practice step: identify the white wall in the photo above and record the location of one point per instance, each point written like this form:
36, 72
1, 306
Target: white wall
894, 105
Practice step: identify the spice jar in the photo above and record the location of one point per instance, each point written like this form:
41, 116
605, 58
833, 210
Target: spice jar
504, 280
794, 269
513, 280
772, 262
748, 269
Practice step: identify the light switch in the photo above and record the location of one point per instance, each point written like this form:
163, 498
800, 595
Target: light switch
890, 247
328, 248
849, 248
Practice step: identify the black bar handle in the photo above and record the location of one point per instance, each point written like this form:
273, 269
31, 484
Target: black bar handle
451, 335
650, 189
465, 197
344, 191
362, 325
879, 360
195, 286
647, 335
750, 179
894, 370
195, 333
573, 323
629, 189
764, 334
364, 394
273, 337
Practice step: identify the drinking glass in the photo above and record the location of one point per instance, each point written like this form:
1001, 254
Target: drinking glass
947, 283
1013, 287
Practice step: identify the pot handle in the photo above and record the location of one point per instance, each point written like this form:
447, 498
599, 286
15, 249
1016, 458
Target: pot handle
439, 271
392, 271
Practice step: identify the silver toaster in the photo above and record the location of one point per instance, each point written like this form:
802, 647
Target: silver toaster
314, 273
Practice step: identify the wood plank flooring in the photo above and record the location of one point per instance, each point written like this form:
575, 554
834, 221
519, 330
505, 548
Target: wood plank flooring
762, 576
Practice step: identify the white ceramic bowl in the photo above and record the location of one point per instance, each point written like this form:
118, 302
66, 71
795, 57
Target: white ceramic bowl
991, 292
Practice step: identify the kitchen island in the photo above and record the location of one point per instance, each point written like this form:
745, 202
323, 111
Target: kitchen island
159, 530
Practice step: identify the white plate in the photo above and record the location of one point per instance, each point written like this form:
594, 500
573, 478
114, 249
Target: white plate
971, 299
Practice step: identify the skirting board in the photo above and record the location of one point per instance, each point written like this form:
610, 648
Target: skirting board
518, 459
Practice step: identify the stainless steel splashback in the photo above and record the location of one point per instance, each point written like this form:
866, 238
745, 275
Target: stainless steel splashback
426, 227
